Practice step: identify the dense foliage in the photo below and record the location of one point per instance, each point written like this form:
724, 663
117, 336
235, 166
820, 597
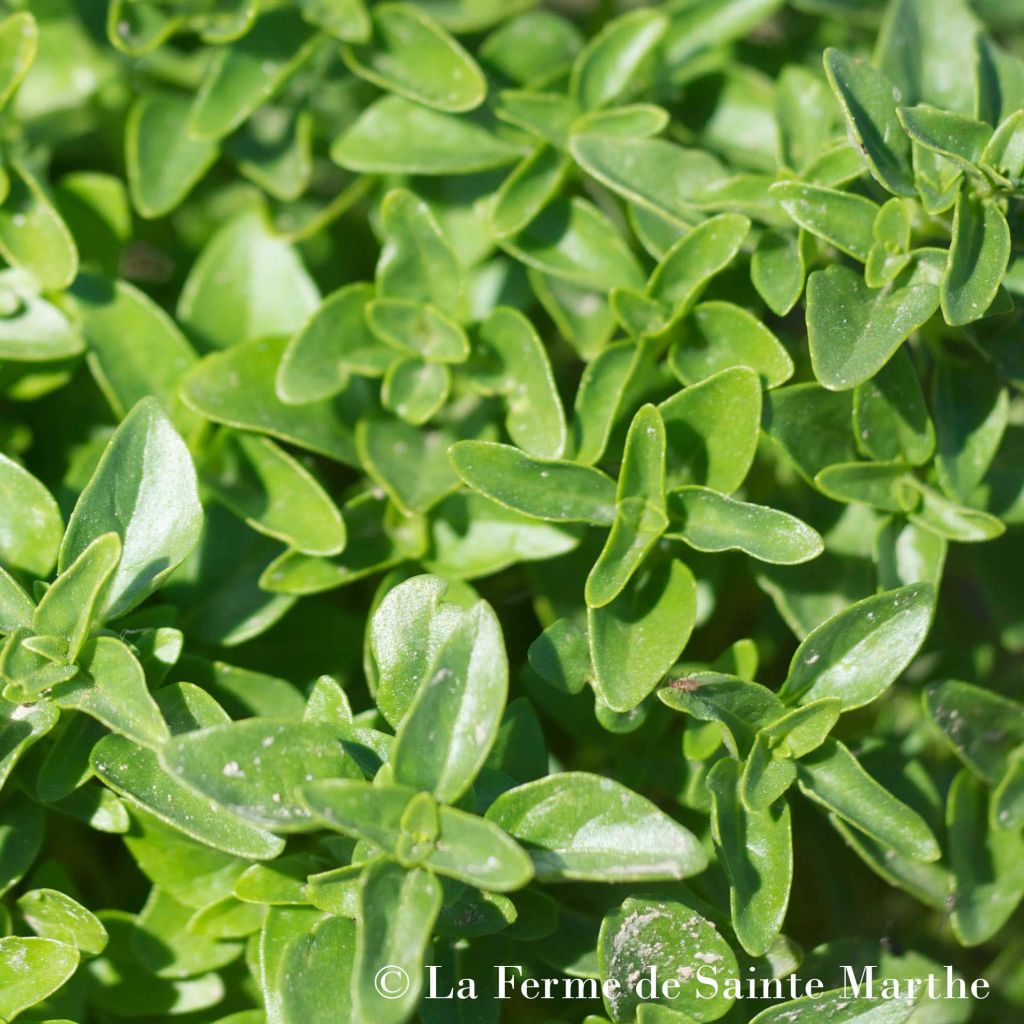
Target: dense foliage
484, 484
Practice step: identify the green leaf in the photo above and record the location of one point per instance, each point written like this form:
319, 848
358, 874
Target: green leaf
853, 330
346, 19
710, 521
857, 654
30, 970
52, 914
415, 389
705, 250
841, 1007
842, 219
419, 329
254, 767
561, 656
335, 341
672, 938
987, 863
135, 348
883, 485
557, 491
610, 64
30, 521
237, 388
449, 728
572, 239
164, 161
889, 414
410, 54
533, 183
111, 687
656, 175
756, 849
637, 638
971, 406
33, 330
640, 516
417, 262
981, 727
246, 284
778, 269
248, 72
718, 336
515, 365
397, 910
21, 726
136, 774
740, 707
314, 976
978, 258
952, 521
832, 777
955, 136
397, 136
868, 100
70, 605
144, 490
33, 237
274, 493
582, 827
19, 42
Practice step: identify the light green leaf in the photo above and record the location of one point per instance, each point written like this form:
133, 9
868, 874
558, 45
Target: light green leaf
718, 336
144, 489
274, 493
111, 687
335, 341
702, 252
868, 100
710, 521
853, 330
33, 237
857, 654
449, 728
756, 848
19, 42
30, 970
582, 827
890, 418
515, 365
246, 284
572, 239
410, 54
883, 485
842, 219
637, 638
778, 269
69, 607
52, 914
21, 726
614, 59
397, 910
30, 521
236, 388
978, 258
832, 777
839, 1007
640, 515
987, 863
557, 491
397, 136
672, 938
658, 176
415, 389
164, 161
314, 976
255, 766
249, 71
33, 330
135, 348
419, 329
955, 522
